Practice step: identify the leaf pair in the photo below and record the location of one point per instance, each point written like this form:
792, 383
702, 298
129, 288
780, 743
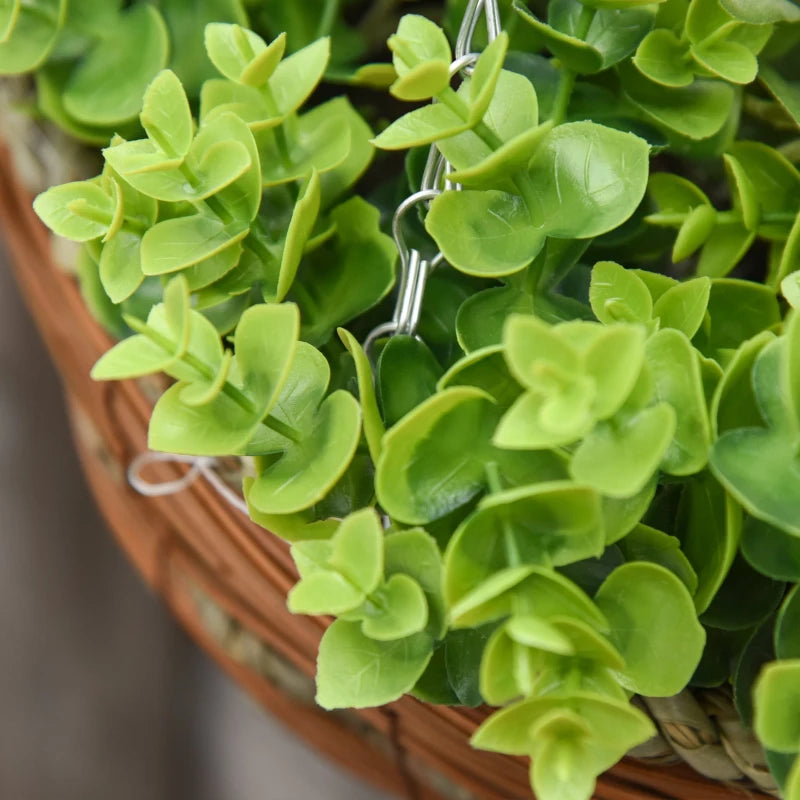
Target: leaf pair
713, 40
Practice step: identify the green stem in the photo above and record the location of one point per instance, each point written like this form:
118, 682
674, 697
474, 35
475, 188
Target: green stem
329, 14
566, 82
509, 540
733, 217
281, 141
213, 204
233, 392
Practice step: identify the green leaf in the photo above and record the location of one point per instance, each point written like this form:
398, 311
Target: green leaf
80, 211
403, 610
107, 86
418, 40
482, 316
302, 223
463, 654
121, 265
694, 232
166, 116
373, 424
640, 599
548, 524
486, 233
184, 241
309, 468
296, 77
407, 374
233, 49
485, 369
634, 446
777, 705
677, 378
785, 92
739, 310
484, 80
354, 671
337, 287
644, 543
697, 111
664, 58
415, 553
27, 44
730, 60
510, 730
324, 593
762, 12
421, 126
264, 369
709, 526
787, 636
619, 295
612, 34
683, 306
589, 179
445, 475
771, 551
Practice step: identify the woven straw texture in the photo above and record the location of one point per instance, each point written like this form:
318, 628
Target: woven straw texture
225, 579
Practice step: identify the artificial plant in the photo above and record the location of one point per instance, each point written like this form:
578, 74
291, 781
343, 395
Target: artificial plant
580, 481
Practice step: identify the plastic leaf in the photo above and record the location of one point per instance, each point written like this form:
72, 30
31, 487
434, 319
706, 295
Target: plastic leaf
484, 233
663, 57
403, 610
354, 671
166, 116
108, 84
639, 599
80, 211
619, 295
777, 705
589, 179
634, 446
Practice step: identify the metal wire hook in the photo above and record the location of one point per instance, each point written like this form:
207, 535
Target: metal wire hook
472, 15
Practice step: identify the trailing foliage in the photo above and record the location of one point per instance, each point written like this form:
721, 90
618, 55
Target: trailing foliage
581, 481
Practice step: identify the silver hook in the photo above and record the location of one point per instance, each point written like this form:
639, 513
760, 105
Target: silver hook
472, 15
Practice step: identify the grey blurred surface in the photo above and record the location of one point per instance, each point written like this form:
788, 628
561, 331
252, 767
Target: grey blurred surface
101, 696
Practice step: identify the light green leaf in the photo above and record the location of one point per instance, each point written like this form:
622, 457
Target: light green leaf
358, 550
232, 49
354, 671
663, 57
683, 306
80, 211
589, 179
640, 599
777, 706
309, 468
694, 232
677, 378
421, 126
635, 446
644, 543
166, 116
785, 92
483, 83
619, 295
183, 241
414, 552
324, 593
548, 524
486, 233
374, 428
34, 34
402, 610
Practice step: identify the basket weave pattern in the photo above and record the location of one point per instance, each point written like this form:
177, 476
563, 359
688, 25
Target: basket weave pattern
225, 579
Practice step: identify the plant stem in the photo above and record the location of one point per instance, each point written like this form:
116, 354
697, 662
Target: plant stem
233, 392
329, 14
567, 81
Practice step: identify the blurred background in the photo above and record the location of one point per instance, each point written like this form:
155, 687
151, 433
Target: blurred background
101, 695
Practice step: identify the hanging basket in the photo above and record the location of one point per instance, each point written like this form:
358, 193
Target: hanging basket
226, 579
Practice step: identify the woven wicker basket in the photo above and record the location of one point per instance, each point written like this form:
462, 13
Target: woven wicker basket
225, 579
